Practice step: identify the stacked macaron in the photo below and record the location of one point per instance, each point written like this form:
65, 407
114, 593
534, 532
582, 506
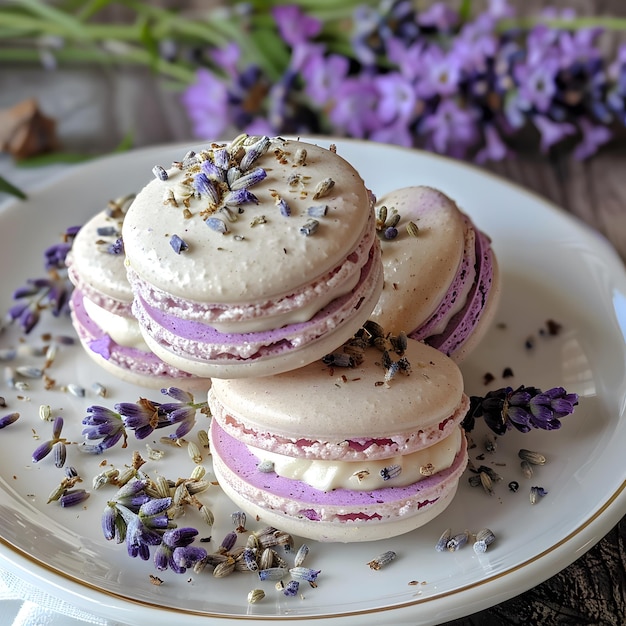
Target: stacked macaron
441, 275
249, 262
101, 304
356, 454
252, 258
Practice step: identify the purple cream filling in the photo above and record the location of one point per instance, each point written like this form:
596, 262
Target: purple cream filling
200, 333
99, 342
462, 324
243, 463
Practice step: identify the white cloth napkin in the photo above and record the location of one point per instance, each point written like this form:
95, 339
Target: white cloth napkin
22, 604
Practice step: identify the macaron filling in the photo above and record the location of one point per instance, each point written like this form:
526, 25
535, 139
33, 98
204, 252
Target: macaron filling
101, 345
237, 466
463, 323
397, 471
199, 341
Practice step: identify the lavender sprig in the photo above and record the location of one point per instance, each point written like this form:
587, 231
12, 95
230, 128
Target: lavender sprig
143, 417
524, 409
51, 293
454, 83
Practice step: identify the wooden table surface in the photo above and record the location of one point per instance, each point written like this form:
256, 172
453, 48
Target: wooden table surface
98, 108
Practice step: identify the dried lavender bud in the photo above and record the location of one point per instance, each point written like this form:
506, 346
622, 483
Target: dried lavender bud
273, 573
524, 408
178, 245
291, 588
536, 493
72, 498
9, 419
382, 559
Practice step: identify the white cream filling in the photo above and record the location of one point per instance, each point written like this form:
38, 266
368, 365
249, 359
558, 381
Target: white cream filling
366, 475
123, 330
297, 315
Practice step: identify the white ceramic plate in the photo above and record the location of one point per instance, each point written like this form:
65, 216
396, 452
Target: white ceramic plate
552, 267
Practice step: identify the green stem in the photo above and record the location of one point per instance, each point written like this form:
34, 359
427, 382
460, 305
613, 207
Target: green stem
578, 23
131, 55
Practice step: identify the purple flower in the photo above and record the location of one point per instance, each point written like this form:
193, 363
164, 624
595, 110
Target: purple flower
442, 74
176, 551
45, 448
204, 186
55, 255
450, 128
38, 295
294, 26
551, 132
178, 245
139, 538
537, 83
579, 45
439, 16
398, 132
323, 76
142, 417
182, 413
227, 58
500, 9
108, 523
407, 58
186, 557
131, 496
397, 97
495, 149
354, 107
524, 408
593, 136
366, 23
73, 497
476, 43
206, 103
291, 588
104, 424
117, 247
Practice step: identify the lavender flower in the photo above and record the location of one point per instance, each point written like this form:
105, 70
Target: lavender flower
142, 418
103, 424
455, 84
182, 413
176, 551
524, 408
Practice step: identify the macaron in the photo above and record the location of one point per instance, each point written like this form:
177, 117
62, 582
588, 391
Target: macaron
365, 451
442, 283
101, 305
253, 257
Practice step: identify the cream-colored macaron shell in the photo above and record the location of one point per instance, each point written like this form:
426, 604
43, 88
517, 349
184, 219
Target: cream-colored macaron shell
418, 277
264, 253
92, 267
327, 407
